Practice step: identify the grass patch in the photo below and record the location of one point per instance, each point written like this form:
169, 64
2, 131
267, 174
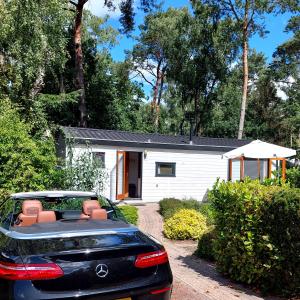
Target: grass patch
130, 213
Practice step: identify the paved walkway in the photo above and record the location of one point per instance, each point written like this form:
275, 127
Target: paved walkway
194, 279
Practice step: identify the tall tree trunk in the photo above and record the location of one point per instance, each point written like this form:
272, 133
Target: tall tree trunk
245, 71
38, 84
197, 113
62, 88
156, 93
156, 90
161, 86
155, 103
79, 74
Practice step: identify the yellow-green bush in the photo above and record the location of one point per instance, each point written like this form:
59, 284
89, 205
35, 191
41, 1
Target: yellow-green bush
185, 224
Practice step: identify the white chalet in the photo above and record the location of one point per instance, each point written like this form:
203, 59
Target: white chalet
150, 167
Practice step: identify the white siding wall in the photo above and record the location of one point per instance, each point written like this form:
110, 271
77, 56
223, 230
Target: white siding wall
196, 172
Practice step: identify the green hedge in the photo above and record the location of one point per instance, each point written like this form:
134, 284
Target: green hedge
258, 234
205, 247
293, 177
185, 224
8, 206
169, 206
130, 213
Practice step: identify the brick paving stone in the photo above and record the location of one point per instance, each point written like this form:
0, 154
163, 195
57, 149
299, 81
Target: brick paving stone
194, 278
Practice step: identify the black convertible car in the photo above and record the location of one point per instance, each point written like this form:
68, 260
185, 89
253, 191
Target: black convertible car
72, 245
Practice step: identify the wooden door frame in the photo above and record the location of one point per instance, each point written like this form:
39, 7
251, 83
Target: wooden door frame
283, 175
230, 170
125, 175
242, 168
140, 166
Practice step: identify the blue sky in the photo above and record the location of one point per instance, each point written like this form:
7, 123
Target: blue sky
265, 45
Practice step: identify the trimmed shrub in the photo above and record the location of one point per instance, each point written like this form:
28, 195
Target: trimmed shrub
170, 212
206, 209
169, 204
205, 247
293, 177
258, 234
130, 213
191, 204
281, 221
185, 224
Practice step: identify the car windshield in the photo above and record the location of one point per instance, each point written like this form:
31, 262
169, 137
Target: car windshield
34, 212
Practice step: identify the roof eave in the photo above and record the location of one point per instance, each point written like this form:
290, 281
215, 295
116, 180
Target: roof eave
152, 145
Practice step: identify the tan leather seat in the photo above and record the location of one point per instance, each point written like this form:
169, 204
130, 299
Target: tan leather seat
30, 211
87, 207
99, 214
46, 216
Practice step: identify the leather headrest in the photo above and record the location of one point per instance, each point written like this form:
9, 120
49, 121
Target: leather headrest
89, 205
31, 207
46, 216
99, 214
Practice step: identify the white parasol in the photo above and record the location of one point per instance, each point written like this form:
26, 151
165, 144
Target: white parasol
260, 149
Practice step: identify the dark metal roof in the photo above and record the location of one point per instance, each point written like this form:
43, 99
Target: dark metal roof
149, 140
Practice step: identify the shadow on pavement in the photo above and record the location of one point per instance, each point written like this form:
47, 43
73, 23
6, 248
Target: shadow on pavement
208, 269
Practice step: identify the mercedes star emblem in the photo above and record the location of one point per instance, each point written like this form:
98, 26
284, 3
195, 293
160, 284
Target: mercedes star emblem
102, 270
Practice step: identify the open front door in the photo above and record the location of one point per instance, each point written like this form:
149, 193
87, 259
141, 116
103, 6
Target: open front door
122, 175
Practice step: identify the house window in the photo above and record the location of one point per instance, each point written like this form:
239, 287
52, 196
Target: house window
99, 157
251, 168
255, 168
165, 169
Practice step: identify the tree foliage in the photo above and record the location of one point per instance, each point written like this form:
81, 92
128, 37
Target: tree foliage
285, 70
127, 8
193, 56
152, 52
249, 16
31, 40
26, 163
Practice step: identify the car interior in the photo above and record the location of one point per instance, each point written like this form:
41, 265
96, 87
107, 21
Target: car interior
33, 212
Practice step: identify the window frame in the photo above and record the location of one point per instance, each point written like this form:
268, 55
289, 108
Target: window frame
97, 156
259, 160
173, 166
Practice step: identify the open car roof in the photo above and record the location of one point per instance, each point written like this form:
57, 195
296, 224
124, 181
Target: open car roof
52, 194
